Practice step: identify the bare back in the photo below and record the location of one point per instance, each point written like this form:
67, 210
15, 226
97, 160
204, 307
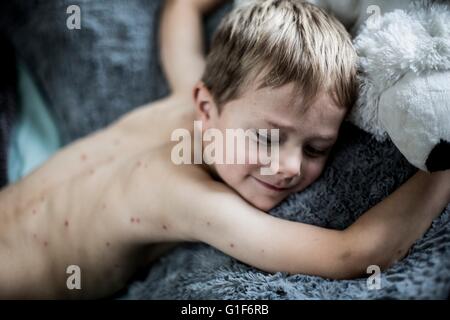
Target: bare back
97, 204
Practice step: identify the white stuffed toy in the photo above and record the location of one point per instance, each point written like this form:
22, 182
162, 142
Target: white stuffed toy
405, 82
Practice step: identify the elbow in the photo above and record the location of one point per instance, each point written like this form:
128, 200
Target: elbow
356, 263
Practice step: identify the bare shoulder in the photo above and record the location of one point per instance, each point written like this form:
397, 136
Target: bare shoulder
190, 198
160, 116
211, 206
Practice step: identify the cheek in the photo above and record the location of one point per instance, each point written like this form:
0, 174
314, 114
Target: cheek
234, 174
311, 171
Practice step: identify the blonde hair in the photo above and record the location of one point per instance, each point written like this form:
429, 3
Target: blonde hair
279, 42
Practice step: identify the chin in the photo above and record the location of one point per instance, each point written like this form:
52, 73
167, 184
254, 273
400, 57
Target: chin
263, 204
266, 207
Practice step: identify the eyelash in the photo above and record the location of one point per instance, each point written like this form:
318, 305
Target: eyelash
310, 151
265, 139
314, 153
262, 138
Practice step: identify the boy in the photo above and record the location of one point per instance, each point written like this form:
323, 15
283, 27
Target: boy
108, 201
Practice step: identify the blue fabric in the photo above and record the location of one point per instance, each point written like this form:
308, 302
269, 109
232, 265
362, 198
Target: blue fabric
35, 136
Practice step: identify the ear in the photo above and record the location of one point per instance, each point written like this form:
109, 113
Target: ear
205, 107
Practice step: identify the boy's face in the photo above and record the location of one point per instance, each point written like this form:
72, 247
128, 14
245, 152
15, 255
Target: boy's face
305, 139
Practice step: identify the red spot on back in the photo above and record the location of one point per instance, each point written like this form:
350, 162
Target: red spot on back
34, 236
208, 223
34, 211
132, 220
138, 220
83, 157
232, 245
139, 163
91, 171
164, 227
66, 223
108, 244
45, 243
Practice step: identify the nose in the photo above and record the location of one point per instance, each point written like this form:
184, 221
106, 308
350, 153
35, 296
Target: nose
290, 163
439, 158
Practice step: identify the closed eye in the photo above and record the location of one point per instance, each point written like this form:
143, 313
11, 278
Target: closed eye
315, 153
263, 138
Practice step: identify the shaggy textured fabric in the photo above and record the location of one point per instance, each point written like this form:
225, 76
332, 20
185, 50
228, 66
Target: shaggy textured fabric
362, 172
91, 76
414, 41
405, 82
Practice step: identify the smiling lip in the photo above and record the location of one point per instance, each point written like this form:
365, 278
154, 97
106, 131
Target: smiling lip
270, 186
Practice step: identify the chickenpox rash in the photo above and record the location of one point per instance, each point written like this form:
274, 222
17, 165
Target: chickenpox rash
139, 163
133, 220
66, 223
83, 157
34, 211
44, 243
164, 227
232, 245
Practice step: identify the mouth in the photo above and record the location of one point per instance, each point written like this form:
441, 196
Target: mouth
271, 186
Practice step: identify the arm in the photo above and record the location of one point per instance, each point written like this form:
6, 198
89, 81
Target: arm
181, 42
380, 237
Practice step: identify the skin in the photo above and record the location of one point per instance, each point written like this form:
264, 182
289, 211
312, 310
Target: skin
114, 201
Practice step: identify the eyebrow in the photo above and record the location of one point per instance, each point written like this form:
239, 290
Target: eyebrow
324, 137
